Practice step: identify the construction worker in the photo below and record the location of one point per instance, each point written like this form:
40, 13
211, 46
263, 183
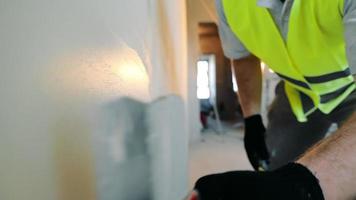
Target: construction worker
311, 45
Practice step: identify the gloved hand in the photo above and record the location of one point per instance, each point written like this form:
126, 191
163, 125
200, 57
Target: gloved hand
291, 182
255, 143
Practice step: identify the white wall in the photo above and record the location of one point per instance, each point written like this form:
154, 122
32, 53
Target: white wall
60, 62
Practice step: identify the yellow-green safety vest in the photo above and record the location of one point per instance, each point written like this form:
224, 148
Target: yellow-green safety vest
312, 61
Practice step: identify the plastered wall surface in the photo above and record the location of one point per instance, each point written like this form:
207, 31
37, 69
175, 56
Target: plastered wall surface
61, 62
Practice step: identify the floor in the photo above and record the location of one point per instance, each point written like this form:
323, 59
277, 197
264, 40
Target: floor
215, 153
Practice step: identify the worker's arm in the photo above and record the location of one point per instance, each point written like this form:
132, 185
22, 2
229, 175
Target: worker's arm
248, 73
333, 162
326, 172
246, 66
249, 80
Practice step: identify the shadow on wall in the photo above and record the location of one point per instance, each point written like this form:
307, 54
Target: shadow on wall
168, 71
167, 48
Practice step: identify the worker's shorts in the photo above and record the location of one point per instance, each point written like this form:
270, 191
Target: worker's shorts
287, 138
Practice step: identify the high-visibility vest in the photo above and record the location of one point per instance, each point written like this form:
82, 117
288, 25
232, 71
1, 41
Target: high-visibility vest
312, 61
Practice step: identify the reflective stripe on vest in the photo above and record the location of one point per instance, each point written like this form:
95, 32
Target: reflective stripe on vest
313, 59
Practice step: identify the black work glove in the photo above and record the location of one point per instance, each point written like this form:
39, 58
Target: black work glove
255, 143
291, 182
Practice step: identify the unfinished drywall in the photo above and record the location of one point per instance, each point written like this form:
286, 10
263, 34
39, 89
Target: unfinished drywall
61, 62
121, 149
141, 151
